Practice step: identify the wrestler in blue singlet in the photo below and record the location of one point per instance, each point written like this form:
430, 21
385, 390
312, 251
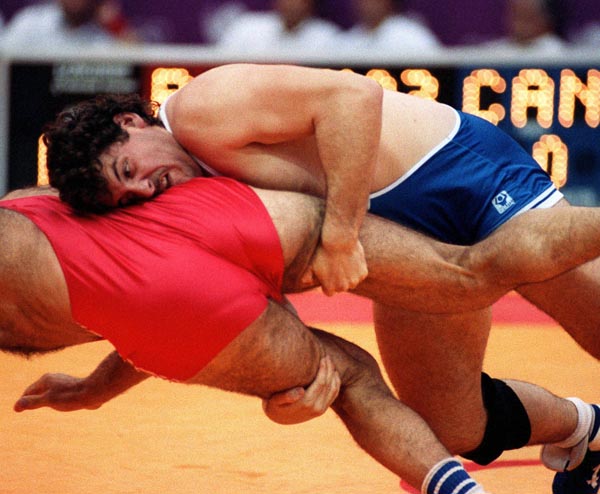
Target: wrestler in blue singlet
470, 184
462, 190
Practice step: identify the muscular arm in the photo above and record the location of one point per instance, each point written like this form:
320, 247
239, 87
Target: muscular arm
279, 114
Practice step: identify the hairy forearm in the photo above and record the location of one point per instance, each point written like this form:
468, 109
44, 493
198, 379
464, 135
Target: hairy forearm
67, 393
112, 377
348, 132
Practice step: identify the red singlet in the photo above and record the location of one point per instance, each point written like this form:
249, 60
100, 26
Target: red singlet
170, 282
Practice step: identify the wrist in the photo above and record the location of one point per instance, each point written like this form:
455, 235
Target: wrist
338, 238
87, 392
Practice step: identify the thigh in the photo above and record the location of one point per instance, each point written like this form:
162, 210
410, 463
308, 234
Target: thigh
573, 300
297, 218
434, 362
276, 352
415, 272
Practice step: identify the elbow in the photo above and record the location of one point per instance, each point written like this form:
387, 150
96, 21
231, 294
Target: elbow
370, 93
356, 89
375, 90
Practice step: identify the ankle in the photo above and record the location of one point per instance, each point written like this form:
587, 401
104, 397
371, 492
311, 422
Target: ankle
585, 421
594, 443
449, 476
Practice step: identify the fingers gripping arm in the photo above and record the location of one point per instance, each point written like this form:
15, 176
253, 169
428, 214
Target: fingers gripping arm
300, 404
285, 108
347, 131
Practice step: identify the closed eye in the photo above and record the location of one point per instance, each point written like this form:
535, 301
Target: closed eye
126, 169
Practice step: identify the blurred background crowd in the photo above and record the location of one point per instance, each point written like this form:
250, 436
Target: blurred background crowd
375, 29
256, 26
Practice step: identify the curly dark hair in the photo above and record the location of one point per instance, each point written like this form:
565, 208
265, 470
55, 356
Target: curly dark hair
77, 138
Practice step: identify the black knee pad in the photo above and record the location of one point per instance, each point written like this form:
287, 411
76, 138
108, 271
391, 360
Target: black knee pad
508, 425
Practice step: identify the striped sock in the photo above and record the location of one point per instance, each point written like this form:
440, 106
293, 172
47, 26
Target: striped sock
449, 477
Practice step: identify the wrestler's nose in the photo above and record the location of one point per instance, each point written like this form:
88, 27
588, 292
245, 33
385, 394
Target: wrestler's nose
144, 188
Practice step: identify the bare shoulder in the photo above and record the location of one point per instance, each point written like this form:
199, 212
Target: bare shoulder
209, 96
24, 251
256, 80
202, 112
14, 225
233, 106
253, 71
44, 190
26, 254
222, 81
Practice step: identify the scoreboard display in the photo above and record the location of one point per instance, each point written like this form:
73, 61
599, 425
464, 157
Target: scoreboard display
552, 111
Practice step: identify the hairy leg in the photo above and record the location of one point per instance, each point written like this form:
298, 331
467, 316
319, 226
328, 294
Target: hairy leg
414, 272
573, 298
538, 245
278, 352
552, 418
435, 363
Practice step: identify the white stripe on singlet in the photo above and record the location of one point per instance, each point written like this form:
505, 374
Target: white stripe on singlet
162, 115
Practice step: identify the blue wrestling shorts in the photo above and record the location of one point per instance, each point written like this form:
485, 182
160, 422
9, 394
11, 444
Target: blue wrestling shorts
470, 184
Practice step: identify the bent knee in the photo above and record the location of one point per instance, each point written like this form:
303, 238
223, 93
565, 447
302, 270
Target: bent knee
276, 352
357, 368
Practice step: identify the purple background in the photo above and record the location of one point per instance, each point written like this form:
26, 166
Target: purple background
455, 21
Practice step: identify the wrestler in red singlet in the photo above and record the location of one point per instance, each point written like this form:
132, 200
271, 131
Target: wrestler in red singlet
170, 282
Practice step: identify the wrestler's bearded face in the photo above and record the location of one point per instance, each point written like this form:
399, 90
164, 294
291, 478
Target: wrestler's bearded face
143, 165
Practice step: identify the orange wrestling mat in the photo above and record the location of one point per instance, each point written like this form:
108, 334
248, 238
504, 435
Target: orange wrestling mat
163, 438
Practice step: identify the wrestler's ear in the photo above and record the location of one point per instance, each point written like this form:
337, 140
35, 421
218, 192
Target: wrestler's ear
129, 119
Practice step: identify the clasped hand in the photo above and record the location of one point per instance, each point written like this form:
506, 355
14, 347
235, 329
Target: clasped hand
299, 404
337, 269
